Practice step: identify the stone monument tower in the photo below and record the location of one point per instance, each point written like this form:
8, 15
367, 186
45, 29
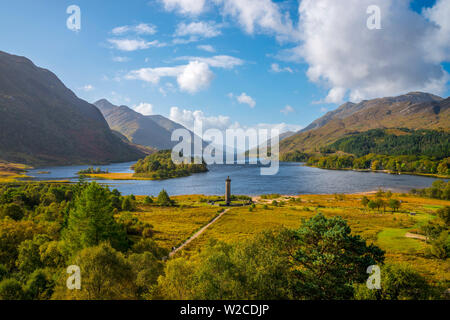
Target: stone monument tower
228, 191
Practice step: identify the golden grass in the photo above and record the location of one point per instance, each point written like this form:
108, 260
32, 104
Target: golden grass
386, 230
10, 172
116, 176
174, 225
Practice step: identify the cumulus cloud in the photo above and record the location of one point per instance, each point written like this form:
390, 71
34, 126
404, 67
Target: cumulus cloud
195, 77
191, 78
189, 7
200, 29
275, 67
226, 62
246, 99
206, 47
143, 108
352, 60
262, 16
142, 28
187, 118
286, 110
134, 44
439, 38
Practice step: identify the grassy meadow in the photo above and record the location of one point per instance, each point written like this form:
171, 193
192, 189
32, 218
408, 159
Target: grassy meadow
388, 230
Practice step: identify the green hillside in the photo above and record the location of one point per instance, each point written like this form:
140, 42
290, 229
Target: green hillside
42, 122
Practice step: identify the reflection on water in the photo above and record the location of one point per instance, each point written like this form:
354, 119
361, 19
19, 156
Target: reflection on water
292, 178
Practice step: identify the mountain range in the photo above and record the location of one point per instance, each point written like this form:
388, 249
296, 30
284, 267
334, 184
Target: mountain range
414, 110
42, 122
153, 131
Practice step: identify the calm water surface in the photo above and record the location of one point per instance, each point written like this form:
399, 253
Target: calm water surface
292, 179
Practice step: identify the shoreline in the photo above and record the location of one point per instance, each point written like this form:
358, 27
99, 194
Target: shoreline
430, 175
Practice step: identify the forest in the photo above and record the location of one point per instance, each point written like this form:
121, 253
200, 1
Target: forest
160, 166
47, 227
430, 143
395, 150
392, 164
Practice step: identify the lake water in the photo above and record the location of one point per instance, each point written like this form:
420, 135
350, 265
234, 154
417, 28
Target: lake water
292, 179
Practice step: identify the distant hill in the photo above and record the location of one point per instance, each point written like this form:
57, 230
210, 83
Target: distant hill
153, 131
254, 152
42, 122
413, 111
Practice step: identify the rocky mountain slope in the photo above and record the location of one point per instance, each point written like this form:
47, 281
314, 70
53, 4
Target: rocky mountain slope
42, 122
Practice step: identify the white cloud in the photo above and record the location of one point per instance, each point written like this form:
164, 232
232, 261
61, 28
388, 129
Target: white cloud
199, 29
246, 99
260, 16
189, 7
195, 77
344, 55
134, 44
226, 62
222, 123
87, 88
286, 110
188, 117
143, 108
439, 39
120, 59
191, 78
143, 28
206, 47
275, 67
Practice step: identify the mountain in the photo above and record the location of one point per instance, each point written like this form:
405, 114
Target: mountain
42, 122
254, 151
153, 131
414, 110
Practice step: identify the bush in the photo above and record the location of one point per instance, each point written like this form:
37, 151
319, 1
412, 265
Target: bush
148, 200
11, 289
164, 199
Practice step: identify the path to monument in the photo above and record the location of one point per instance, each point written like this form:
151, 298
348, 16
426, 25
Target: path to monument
197, 234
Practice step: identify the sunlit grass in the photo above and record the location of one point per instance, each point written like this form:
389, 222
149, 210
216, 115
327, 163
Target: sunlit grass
384, 229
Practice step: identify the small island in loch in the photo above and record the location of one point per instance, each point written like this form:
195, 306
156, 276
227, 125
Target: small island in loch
157, 166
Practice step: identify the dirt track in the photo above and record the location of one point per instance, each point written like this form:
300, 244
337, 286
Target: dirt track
197, 234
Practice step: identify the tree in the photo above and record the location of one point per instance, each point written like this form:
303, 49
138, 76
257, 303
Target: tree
164, 199
372, 205
365, 201
3, 272
11, 289
39, 286
394, 204
91, 221
105, 275
148, 200
440, 247
127, 204
13, 211
329, 259
29, 258
444, 215
147, 268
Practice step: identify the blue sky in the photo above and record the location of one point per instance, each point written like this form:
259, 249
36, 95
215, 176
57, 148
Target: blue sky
234, 63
